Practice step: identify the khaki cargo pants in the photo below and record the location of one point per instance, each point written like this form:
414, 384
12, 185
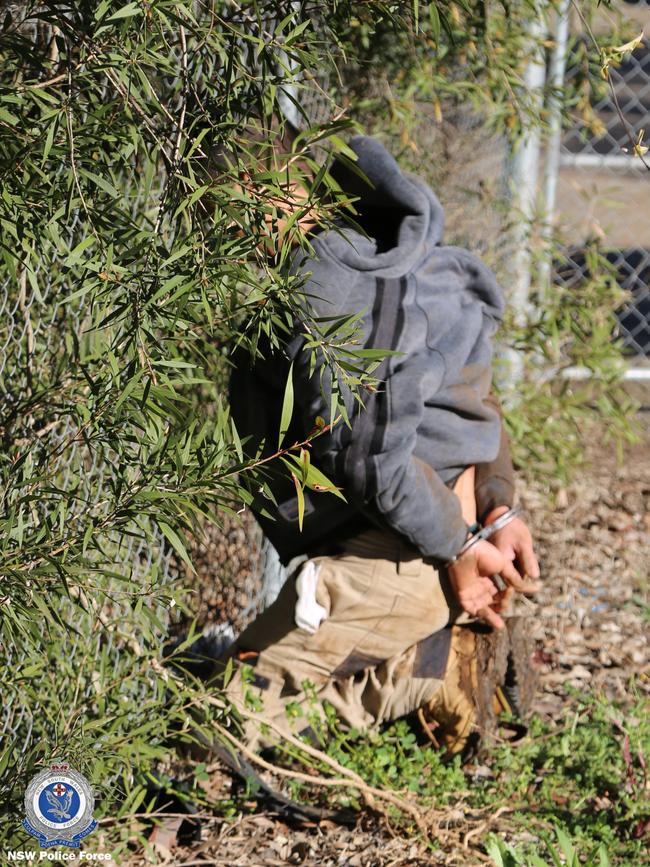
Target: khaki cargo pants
380, 653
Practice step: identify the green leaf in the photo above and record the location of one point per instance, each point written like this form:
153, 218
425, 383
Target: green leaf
188, 202
74, 255
374, 354
287, 407
567, 847
177, 543
301, 499
49, 139
493, 849
130, 387
102, 183
128, 11
304, 463
313, 478
102, 9
8, 117
557, 861
236, 440
434, 21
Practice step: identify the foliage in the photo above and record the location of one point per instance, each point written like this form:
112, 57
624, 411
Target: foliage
569, 330
472, 55
587, 775
505, 855
143, 174
462, 54
143, 171
388, 759
579, 784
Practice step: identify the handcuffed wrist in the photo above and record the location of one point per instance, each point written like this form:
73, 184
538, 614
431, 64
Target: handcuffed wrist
484, 533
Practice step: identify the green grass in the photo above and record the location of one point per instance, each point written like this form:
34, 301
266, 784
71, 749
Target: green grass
579, 787
586, 778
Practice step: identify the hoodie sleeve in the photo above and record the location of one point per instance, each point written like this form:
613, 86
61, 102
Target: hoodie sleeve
385, 472
374, 458
495, 480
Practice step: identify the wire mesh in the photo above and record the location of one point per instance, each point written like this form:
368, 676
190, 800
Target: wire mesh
633, 274
38, 320
602, 193
618, 108
34, 323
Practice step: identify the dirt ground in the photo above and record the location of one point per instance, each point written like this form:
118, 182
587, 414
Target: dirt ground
591, 622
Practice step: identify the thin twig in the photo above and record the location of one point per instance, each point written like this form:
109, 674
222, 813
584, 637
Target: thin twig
43, 84
117, 84
197, 863
484, 825
369, 793
73, 160
22, 304
628, 129
156, 814
181, 122
348, 778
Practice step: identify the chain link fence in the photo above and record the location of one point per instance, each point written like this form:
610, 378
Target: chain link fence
40, 319
238, 573
35, 326
602, 192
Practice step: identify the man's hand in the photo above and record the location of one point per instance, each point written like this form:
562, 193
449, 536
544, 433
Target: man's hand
471, 580
516, 545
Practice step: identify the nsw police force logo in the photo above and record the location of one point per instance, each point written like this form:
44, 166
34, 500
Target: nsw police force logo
59, 806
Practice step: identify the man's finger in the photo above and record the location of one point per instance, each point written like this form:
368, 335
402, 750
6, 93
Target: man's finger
514, 579
480, 597
511, 576
528, 561
502, 603
491, 618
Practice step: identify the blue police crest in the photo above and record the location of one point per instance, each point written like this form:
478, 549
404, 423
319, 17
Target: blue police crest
59, 806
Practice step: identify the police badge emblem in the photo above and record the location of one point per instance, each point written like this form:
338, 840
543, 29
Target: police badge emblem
59, 806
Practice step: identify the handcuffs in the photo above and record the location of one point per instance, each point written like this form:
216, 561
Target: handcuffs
485, 533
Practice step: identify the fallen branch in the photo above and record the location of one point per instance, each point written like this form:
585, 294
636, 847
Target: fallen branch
346, 778
485, 825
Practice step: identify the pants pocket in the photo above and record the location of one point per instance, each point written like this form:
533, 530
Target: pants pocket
343, 584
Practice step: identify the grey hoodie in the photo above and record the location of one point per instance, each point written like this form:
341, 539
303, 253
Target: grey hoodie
438, 307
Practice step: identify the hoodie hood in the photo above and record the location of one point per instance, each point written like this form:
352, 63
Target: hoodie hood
400, 215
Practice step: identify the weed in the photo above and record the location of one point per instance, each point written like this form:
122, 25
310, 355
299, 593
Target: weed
582, 780
562, 854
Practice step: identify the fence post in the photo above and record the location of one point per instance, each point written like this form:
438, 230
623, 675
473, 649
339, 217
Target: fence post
522, 173
556, 79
